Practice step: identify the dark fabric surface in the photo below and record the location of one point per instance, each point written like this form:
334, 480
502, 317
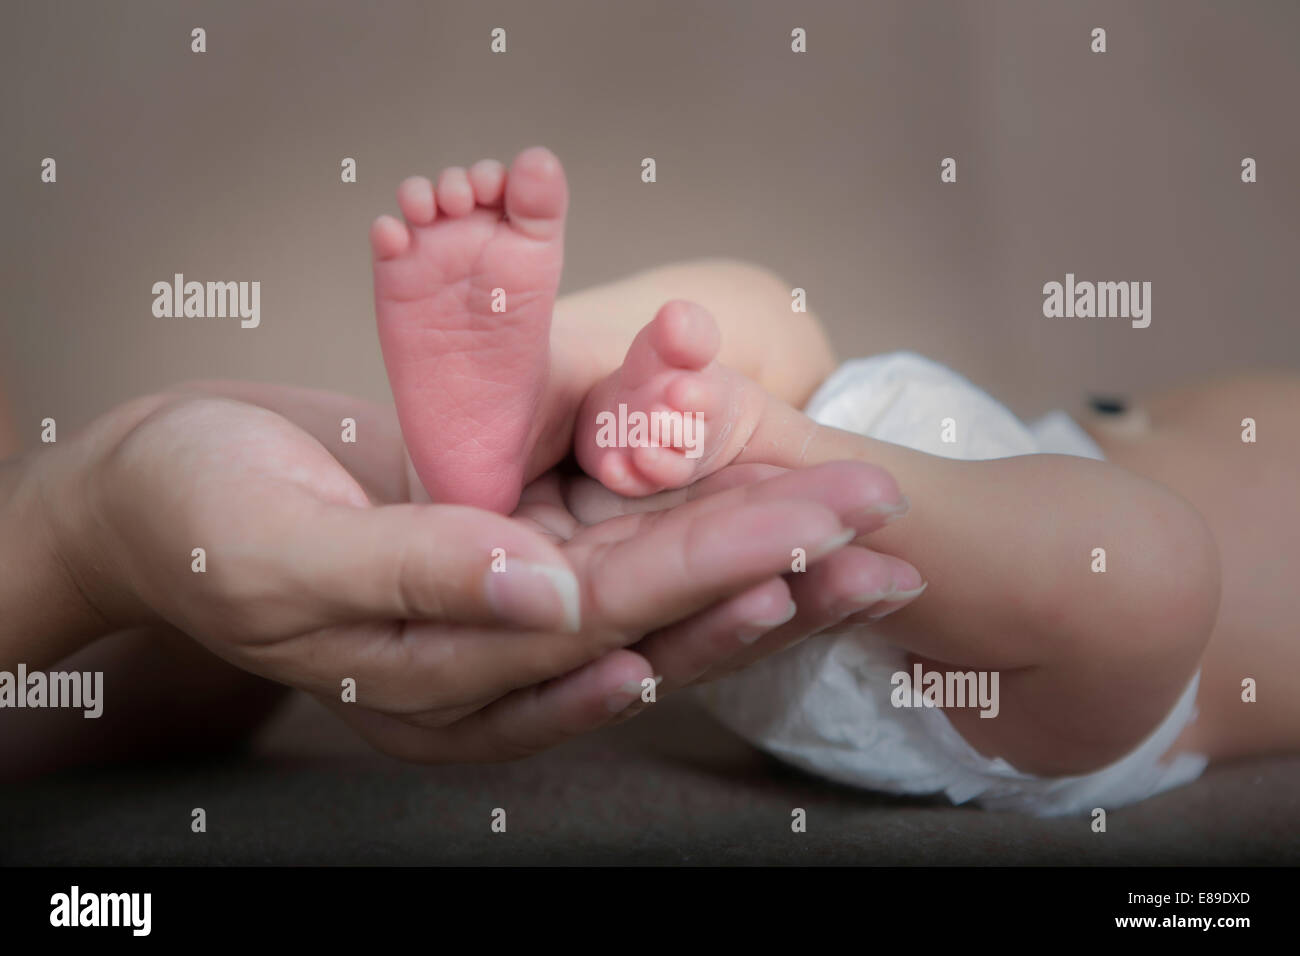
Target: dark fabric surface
670, 787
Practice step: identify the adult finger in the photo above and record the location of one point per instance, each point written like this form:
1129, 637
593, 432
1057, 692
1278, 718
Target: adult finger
853, 581
522, 723
670, 571
422, 671
683, 652
675, 564
864, 496
428, 563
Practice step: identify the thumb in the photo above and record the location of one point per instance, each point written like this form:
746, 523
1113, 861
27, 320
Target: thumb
446, 563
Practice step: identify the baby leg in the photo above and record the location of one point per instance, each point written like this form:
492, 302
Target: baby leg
785, 352
1089, 662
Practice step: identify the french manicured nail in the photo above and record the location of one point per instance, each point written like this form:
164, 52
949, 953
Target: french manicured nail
535, 595
908, 595
833, 543
623, 698
898, 600
896, 510
890, 511
753, 630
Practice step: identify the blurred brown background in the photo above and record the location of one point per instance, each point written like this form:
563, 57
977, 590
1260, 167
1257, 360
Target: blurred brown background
822, 166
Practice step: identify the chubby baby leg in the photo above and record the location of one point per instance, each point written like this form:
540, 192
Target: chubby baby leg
1089, 663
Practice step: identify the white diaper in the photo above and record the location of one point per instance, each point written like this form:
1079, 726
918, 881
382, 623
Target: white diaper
824, 706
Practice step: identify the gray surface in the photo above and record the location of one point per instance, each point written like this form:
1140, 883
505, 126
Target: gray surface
670, 787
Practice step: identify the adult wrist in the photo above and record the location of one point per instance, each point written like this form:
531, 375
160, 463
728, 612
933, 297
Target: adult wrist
60, 587
43, 615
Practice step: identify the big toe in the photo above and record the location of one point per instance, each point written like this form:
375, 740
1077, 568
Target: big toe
685, 335
682, 335
536, 193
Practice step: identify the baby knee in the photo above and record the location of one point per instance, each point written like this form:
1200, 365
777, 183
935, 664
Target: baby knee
1180, 581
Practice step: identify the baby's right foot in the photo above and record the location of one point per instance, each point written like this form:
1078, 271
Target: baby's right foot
671, 414
464, 290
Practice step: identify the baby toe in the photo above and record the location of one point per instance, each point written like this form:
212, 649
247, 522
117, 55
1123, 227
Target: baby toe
685, 335
455, 194
617, 472
415, 199
536, 194
487, 177
699, 394
663, 467
389, 238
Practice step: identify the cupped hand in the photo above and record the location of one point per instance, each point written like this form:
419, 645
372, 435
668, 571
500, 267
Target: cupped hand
293, 556
853, 586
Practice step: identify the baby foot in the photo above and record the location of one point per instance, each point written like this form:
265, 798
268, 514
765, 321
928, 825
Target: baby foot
671, 414
463, 295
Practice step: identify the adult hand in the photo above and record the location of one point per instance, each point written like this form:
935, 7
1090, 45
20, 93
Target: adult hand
852, 586
311, 577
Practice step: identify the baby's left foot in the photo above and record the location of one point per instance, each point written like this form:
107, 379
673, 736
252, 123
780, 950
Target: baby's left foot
671, 414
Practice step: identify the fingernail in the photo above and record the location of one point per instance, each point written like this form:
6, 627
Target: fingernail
890, 511
860, 602
908, 595
899, 600
622, 698
753, 630
833, 543
535, 595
